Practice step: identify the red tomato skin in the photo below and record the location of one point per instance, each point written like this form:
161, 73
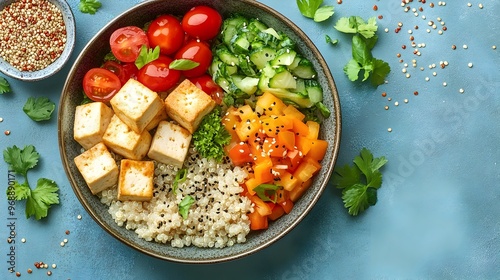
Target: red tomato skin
198, 52
130, 71
202, 22
126, 43
205, 83
167, 33
100, 84
157, 75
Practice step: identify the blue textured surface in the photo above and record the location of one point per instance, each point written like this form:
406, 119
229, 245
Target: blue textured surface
438, 211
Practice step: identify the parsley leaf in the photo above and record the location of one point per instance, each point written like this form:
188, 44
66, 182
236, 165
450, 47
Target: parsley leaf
183, 64
360, 182
312, 9
42, 197
267, 192
4, 86
89, 6
39, 200
147, 55
211, 136
184, 205
363, 41
39, 109
21, 160
329, 40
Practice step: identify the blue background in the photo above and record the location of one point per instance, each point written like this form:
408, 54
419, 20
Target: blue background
437, 216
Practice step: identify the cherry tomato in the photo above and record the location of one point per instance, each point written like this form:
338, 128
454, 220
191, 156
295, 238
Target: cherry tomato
205, 83
130, 71
157, 75
123, 71
100, 84
202, 22
126, 43
166, 31
197, 52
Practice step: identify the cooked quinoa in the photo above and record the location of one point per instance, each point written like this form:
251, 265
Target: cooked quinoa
216, 219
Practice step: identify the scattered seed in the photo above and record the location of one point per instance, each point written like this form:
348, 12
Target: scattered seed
1, 119
54, 265
444, 84
406, 100
386, 107
470, 65
494, 47
7, 132
79, 217
453, 47
49, 273
415, 93
67, 232
62, 244
384, 94
461, 90
23, 240
396, 103
389, 129
29, 271
469, 5
480, 6
465, 47
375, 7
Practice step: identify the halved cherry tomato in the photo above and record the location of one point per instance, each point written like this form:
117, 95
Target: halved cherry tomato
126, 43
124, 71
166, 32
205, 83
157, 75
197, 52
100, 84
202, 22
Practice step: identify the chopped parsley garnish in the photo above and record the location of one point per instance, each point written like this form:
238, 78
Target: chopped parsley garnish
313, 9
147, 55
184, 206
38, 200
89, 6
360, 182
211, 136
363, 41
4, 86
39, 109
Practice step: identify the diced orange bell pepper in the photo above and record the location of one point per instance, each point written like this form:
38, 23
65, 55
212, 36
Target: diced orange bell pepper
287, 205
305, 171
263, 171
313, 130
300, 128
257, 221
291, 111
287, 138
298, 191
318, 149
270, 104
278, 211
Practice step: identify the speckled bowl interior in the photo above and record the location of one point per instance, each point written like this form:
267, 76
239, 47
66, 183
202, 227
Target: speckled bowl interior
53, 68
92, 56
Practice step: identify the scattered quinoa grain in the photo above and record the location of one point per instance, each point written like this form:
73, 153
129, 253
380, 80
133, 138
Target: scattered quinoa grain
23, 240
453, 47
444, 84
49, 273
7, 132
406, 100
480, 6
465, 47
494, 47
389, 129
54, 265
386, 107
62, 244
79, 217
470, 65
461, 90
67, 232
29, 270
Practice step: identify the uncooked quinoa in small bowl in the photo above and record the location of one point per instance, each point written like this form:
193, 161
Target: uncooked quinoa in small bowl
36, 37
201, 132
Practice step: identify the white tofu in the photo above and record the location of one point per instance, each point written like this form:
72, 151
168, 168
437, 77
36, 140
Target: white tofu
136, 180
161, 116
170, 144
122, 140
187, 105
136, 105
91, 121
98, 168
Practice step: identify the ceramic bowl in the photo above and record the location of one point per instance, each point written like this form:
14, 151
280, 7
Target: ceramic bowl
92, 56
55, 66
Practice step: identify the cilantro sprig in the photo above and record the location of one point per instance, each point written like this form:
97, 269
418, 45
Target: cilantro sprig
38, 200
4, 86
89, 6
359, 182
313, 9
147, 55
39, 109
362, 63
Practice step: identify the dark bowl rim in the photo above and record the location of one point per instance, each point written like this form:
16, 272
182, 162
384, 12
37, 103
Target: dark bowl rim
330, 165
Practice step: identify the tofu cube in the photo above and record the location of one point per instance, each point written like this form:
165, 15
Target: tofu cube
136, 105
187, 105
122, 140
98, 168
91, 121
136, 180
170, 144
161, 116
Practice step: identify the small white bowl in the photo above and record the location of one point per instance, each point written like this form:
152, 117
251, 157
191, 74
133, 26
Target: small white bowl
55, 66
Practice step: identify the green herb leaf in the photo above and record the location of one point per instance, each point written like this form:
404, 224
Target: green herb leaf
323, 13
368, 29
21, 191
4, 86
309, 7
267, 192
42, 197
211, 136
147, 55
183, 64
351, 69
359, 182
179, 178
21, 160
89, 6
329, 40
356, 24
346, 25
184, 206
360, 52
380, 70
39, 109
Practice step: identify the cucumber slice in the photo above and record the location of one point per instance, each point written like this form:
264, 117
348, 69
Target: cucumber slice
246, 66
246, 84
304, 69
231, 27
262, 56
314, 91
283, 79
240, 43
284, 57
226, 56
